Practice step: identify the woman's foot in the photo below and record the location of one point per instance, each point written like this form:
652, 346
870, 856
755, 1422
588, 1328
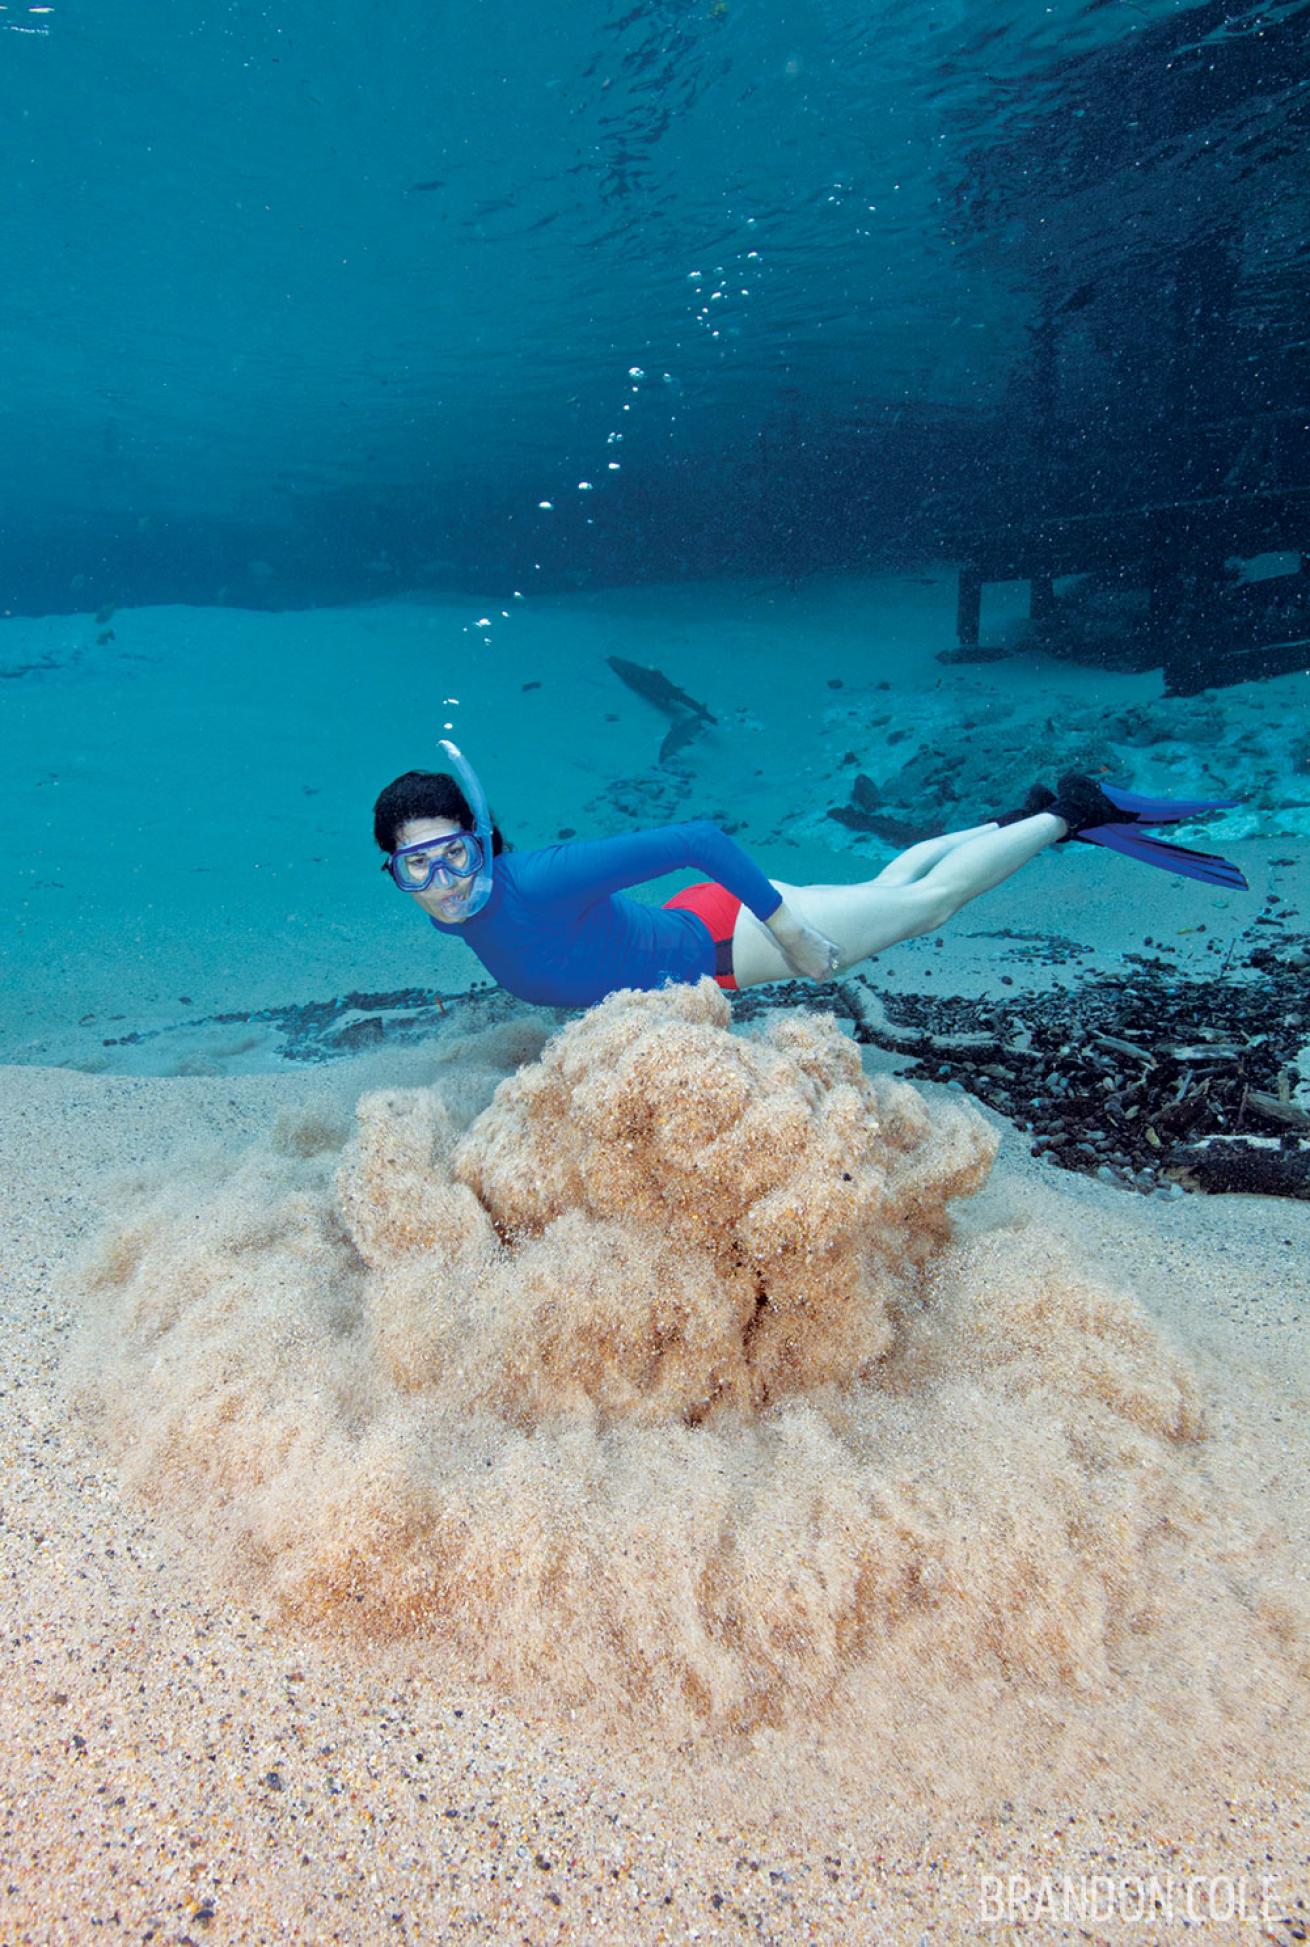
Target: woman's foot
1081, 803
1040, 798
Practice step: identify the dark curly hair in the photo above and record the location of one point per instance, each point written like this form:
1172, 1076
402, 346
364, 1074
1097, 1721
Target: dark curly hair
424, 794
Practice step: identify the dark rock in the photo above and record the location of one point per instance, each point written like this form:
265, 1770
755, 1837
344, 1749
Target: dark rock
368, 1033
897, 831
851, 816
1228, 1166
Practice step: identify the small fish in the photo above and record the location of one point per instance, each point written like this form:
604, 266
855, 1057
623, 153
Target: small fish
688, 717
654, 687
683, 731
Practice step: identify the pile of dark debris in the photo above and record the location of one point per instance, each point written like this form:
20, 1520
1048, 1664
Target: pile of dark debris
1142, 1077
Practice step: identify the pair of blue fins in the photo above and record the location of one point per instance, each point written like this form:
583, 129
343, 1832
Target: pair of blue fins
1130, 838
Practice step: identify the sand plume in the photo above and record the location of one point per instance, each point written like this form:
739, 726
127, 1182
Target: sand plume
658, 1385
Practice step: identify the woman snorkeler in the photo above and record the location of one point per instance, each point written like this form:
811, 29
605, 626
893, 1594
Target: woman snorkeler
552, 925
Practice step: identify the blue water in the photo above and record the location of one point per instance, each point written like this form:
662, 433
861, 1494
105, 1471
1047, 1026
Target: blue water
357, 362
307, 305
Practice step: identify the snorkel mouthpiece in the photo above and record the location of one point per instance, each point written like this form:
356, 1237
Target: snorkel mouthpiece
479, 887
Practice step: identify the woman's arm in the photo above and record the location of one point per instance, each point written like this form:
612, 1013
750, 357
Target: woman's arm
592, 869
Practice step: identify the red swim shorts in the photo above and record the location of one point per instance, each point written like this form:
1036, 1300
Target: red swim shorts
717, 909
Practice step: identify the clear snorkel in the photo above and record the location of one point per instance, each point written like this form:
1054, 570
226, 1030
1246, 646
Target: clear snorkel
476, 890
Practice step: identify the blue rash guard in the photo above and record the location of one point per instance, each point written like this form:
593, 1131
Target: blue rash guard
555, 930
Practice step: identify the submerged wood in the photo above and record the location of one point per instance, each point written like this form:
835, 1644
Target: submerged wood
1277, 1110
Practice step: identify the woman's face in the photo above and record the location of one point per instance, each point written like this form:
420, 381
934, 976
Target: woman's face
442, 902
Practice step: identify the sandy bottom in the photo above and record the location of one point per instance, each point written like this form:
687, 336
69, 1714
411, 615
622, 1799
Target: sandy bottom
613, 1512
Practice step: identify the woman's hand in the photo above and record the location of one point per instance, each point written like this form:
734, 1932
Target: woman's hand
807, 952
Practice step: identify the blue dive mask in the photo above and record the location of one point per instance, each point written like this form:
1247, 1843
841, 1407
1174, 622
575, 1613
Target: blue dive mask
460, 859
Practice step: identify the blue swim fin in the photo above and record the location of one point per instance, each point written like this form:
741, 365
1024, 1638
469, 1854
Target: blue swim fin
1164, 811
1135, 843
1083, 803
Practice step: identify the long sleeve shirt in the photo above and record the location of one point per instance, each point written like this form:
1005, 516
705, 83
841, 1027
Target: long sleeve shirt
557, 931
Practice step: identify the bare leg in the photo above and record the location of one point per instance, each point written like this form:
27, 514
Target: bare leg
911, 865
915, 894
